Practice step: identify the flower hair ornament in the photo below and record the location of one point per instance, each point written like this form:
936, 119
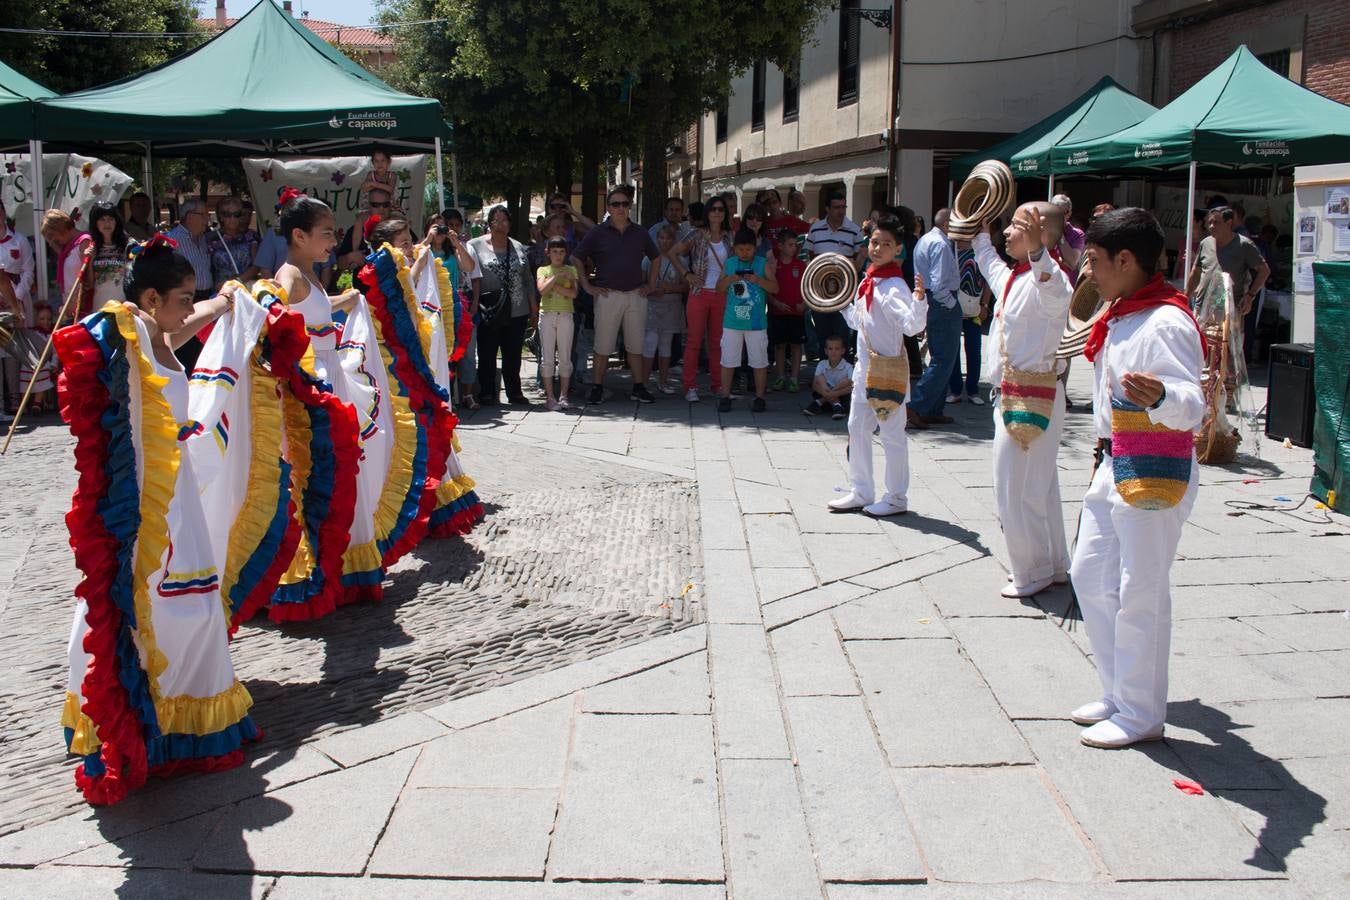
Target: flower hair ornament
369, 227
287, 194
135, 248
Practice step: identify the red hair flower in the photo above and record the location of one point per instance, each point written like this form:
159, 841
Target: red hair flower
369, 226
288, 194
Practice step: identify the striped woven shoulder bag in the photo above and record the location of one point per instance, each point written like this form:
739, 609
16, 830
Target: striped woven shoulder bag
1151, 463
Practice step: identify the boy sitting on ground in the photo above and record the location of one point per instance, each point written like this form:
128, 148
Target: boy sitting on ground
833, 382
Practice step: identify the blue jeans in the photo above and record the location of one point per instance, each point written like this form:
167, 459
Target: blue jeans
929, 396
971, 335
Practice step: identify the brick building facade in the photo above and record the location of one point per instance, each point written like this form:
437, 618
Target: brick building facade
1308, 41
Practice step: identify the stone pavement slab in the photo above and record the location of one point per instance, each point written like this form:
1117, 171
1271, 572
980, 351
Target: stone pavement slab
992, 825
768, 848
280, 831
731, 586
294, 888
380, 739
941, 560
640, 801
837, 556
857, 824
1140, 824
524, 750
64, 882
679, 687
169, 846
774, 541
1029, 664
745, 694
899, 612
1273, 676
468, 833
1321, 596
1312, 631
1222, 637
808, 603
810, 660
931, 707
775, 584
1202, 601
972, 589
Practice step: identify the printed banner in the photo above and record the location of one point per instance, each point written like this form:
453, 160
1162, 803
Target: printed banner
74, 183
336, 180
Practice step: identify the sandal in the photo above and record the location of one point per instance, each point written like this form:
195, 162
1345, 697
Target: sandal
470, 403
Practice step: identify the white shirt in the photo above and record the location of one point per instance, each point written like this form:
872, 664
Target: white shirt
1163, 342
894, 314
16, 258
845, 239
834, 375
1032, 317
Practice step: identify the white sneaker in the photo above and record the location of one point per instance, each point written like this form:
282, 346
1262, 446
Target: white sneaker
976, 400
1107, 735
1094, 712
953, 398
1015, 591
665, 388
847, 503
691, 395
883, 508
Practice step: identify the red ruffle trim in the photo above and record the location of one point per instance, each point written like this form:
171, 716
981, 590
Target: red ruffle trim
289, 341
83, 398
461, 523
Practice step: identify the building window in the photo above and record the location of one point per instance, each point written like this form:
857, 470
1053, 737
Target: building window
757, 98
1277, 61
720, 127
849, 38
790, 91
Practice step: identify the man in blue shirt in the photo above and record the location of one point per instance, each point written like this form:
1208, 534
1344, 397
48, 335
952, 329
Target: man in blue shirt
935, 264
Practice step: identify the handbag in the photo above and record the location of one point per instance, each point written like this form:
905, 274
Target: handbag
1151, 463
887, 381
1026, 399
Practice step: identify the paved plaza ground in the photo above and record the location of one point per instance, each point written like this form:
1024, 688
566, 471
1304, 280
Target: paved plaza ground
663, 670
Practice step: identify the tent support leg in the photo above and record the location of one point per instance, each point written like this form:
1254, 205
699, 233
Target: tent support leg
39, 207
1190, 219
454, 181
148, 181
1051, 190
440, 176
951, 193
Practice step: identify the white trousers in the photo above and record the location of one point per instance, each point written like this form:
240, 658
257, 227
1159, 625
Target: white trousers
555, 343
894, 443
1120, 571
1026, 487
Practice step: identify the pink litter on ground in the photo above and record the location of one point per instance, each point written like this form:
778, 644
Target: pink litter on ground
1188, 787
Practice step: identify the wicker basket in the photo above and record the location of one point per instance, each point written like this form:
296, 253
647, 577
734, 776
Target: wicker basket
1216, 446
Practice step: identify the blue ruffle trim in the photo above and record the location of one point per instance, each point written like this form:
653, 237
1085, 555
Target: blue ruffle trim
266, 552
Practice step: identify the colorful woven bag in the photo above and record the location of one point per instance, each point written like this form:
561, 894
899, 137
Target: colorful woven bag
1027, 400
886, 383
1152, 463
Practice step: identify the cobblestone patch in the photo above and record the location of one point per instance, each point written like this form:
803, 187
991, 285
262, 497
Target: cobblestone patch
577, 558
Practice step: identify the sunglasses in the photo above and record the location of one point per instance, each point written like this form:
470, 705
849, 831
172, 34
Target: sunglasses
620, 204
557, 206
231, 215
379, 206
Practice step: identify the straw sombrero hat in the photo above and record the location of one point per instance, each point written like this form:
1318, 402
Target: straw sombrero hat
987, 194
1085, 308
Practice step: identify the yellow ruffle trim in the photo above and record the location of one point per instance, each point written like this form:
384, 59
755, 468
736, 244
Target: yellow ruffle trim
298, 437
160, 450
451, 489
448, 301
399, 476
425, 327
263, 491
203, 715
84, 739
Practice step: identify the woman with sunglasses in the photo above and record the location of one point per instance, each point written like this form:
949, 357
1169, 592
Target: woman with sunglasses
707, 249
233, 245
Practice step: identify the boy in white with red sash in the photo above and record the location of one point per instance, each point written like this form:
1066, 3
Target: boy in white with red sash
1032, 305
1147, 352
883, 313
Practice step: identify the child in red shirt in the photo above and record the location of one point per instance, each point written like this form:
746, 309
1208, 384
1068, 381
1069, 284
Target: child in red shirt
787, 314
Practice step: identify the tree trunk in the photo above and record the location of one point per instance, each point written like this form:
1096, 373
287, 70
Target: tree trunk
590, 179
654, 143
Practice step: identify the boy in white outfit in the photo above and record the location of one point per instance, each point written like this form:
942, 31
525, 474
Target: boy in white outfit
883, 313
1031, 307
1147, 352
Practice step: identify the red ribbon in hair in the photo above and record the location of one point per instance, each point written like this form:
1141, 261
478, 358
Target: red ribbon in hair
158, 239
369, 226
868, 285
288, 194
1156, 293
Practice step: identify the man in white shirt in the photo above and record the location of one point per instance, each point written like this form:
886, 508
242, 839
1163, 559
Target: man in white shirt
16, 262
935, 265
836, 233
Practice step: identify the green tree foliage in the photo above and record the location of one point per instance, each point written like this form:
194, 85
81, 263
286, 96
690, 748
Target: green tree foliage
530, 84
65, 63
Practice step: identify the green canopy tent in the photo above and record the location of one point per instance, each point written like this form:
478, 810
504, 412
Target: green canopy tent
18, 100
265, 86
1241, 116
1102, 109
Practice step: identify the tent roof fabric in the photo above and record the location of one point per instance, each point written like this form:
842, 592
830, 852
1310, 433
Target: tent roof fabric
1241, 115
17, 93
1103, 108
266, 84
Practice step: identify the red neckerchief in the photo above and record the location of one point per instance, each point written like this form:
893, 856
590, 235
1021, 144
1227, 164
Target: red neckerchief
869, 283
1156, 293
1022, 267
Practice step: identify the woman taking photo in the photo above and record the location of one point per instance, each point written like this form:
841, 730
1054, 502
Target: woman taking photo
233, 244
708, 249
505, 301
70, 247
109, 264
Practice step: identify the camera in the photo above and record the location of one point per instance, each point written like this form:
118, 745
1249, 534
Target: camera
740, 289
441, 229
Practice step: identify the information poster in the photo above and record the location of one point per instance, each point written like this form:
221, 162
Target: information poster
1307, 235
1338, 202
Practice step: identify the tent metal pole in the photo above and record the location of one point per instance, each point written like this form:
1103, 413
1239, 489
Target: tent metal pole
440, 176
1051, 189
454, 181
951, 192
39, 207
148, 180
1190, 219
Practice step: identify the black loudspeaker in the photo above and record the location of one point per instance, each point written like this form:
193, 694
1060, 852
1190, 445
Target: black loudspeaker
1289, 401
